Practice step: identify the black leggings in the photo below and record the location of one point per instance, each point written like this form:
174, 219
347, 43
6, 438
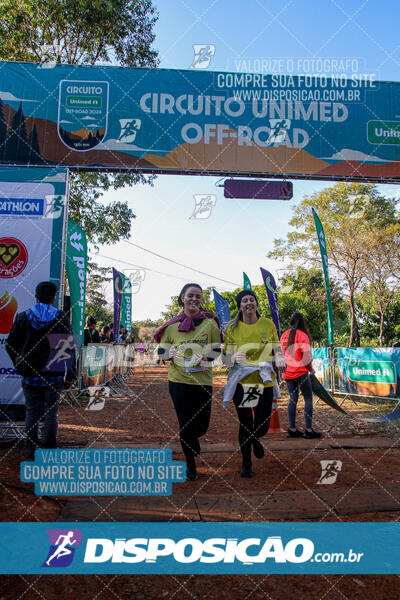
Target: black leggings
254, 422
193, 408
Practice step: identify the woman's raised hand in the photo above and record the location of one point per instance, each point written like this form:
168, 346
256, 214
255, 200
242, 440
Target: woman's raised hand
238, 357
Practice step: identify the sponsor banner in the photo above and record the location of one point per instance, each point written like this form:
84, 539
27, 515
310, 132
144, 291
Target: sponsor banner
118, 291
320, 364
94, 363
31, 239
126, 304
191, 121
325, 265
101, 362
222, 310
270, 286
369, 371
76, 265
246, 282
199, 548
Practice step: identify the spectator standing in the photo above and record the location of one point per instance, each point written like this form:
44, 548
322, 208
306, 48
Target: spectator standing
90, 333
43, 363
296, 348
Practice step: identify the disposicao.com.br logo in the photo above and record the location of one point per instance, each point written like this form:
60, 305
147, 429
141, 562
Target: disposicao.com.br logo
247, 551
62, 547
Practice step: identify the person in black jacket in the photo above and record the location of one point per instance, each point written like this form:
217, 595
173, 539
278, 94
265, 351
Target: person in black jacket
41, 347
90, 333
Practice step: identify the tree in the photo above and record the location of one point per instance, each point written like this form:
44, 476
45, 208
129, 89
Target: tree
96, 302
381, 268
348, 212
86, 32
304, 291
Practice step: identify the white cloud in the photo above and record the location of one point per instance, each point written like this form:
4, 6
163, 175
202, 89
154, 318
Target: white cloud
88, 118
11, 98
64, 121
347, 154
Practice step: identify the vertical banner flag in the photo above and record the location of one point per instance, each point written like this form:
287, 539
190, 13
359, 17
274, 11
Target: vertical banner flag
324, 256
246, 282
118, 290
76, 264
126, 305
32, 213
222, 310
270, 286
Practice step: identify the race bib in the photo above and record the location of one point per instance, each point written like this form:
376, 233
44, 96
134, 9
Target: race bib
193, 365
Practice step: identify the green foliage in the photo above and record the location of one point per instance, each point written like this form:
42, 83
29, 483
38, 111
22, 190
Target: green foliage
103, 224
302, 290
85, 32
96, 302
349, 213
78, 31
370, 319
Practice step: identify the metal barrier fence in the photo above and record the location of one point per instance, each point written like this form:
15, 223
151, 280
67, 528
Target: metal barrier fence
102, 365
97, 366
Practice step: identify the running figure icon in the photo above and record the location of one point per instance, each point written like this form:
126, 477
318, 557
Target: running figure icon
62, 549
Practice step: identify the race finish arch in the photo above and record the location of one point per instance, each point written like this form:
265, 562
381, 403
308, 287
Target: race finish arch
192, 122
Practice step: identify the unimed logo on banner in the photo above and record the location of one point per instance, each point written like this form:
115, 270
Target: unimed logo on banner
62, 547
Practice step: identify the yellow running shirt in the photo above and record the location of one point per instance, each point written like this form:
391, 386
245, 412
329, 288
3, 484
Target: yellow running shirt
257, 341
190, 343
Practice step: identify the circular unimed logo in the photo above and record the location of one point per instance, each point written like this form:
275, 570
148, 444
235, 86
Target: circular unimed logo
13, 257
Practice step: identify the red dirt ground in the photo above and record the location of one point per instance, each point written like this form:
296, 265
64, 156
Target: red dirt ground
146, 417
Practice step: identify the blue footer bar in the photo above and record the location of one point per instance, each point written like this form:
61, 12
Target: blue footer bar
199, 548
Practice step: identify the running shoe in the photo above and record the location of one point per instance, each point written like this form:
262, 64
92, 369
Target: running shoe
311, 434
258, 448
191, 474
246, 472
294, 434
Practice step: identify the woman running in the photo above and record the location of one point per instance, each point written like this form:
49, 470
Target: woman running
250, 343
190, 341
295, 343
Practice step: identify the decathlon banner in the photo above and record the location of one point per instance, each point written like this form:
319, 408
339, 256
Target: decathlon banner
325, 265
126, 304
222, 310
76, 265
369, 371
270, 286
32, 206
191, 121
198, 548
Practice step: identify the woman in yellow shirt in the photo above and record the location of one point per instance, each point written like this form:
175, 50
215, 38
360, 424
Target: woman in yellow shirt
250, 340
190, 341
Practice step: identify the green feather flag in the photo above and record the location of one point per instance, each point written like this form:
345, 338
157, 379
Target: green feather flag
324, 256
246, 282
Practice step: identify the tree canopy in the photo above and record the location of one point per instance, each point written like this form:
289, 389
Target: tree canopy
349, 214
85, 32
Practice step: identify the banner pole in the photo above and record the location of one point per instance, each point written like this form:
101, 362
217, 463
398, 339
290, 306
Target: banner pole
61, 291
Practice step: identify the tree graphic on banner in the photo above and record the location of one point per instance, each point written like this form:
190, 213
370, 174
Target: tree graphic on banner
3, 131
17, 142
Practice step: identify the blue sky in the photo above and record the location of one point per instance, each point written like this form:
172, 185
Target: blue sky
258, 36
